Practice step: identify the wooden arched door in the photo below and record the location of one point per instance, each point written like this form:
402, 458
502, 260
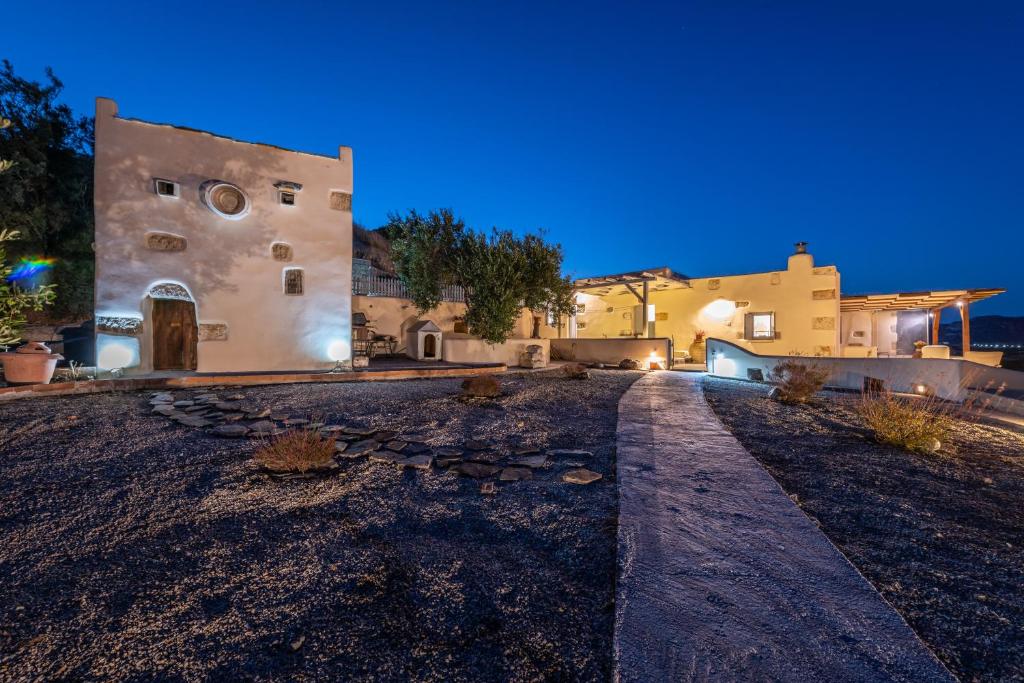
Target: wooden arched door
175, 334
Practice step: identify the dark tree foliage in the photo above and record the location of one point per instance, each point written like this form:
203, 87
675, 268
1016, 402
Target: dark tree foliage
500, 273
46, 196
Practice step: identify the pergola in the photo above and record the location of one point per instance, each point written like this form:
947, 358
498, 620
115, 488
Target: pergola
639, 283
932, 301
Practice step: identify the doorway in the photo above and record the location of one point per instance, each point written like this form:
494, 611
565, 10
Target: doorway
430, 346
175, 335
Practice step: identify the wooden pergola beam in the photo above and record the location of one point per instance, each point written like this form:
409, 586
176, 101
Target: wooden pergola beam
936, 320
965, 326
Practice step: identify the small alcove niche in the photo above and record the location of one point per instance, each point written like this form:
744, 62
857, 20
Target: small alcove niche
166, 188
294, 281
281, 251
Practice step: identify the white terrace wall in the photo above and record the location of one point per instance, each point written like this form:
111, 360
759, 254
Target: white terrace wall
804, 299
231, 269
612, 351
952, 379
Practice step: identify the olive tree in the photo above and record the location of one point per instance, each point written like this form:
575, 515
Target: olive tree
500, 273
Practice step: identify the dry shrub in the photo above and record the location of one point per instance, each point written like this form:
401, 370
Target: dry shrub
797, 382
299, 450
919, 425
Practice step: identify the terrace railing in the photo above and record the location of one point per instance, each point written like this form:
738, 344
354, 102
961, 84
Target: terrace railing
370, 281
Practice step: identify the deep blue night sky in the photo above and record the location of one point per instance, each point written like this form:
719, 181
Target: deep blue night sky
705, 136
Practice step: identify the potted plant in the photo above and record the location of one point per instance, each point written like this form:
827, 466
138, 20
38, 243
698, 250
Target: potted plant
698, 350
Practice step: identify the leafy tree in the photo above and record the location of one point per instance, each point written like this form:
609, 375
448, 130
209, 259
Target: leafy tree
545, 290
499, 272
421, 249
13, 300
46, 195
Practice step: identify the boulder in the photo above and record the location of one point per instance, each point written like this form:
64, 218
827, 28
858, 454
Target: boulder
629, 364
481, 386
576, 371
580, 476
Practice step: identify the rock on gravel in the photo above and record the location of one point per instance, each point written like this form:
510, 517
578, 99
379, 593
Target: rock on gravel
232, 430
581, 476
389, 457
475, 469
419, 462
515, 474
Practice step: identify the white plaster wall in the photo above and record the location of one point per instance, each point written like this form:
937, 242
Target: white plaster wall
787, 293
950, 379
885, 331
227, 265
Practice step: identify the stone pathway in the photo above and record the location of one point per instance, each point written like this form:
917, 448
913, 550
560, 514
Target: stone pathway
721, 576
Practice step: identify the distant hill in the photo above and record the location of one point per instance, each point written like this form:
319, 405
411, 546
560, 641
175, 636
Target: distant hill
986, 329
373, 246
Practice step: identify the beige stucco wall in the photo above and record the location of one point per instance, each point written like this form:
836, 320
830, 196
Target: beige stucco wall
394, 316
227, 265
463, 348
804, 298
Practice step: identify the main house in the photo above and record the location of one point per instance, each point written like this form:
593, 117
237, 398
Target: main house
217, 255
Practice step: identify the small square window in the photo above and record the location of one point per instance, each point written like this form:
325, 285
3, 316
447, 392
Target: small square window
293, 282
166, 188
759, 326
287, 198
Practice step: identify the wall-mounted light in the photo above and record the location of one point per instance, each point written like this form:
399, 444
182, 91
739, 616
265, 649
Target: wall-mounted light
720, 310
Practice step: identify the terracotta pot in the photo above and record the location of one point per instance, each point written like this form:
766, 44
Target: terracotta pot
32, 363
698, 352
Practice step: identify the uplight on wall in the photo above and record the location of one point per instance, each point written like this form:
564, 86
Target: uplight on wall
338, 350
720, 310
724, 367
116, 353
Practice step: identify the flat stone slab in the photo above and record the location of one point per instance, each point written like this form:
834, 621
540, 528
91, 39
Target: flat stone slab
234, 430
581, 476
721, 575
569, 453
532, 461
419, 462
386, 457
515, 474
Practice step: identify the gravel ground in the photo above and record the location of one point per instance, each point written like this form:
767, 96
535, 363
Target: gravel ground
134, 548
941, 537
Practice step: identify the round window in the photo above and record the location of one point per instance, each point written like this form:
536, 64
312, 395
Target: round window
226, 199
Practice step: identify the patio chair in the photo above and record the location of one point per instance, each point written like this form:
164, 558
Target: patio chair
363, 342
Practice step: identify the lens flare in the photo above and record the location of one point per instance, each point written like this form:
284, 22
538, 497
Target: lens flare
27, 268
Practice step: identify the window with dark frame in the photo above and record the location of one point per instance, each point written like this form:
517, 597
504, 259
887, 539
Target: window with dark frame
165, 188
759, 326
293, 282
287, 198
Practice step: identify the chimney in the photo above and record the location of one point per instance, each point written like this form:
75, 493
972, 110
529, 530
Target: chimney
800, 259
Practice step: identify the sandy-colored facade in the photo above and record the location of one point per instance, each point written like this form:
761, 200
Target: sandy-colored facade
792, 311
218, 255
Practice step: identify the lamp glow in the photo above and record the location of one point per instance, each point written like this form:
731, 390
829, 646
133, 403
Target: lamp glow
338, 350
115, 355
721, 310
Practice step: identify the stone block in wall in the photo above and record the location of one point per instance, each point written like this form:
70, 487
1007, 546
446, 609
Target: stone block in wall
823, 350
776, 278
714, 283
120, 325
281, 251
165, 241
341, 201
823, 322
213, 332
823, 294
825, 270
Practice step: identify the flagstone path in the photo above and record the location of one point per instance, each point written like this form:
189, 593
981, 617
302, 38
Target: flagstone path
721, 576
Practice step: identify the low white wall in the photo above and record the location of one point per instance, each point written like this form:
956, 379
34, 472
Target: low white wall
464, 348
951, 379
612, 351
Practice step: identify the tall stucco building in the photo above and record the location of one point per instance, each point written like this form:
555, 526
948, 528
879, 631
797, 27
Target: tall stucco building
214, 254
